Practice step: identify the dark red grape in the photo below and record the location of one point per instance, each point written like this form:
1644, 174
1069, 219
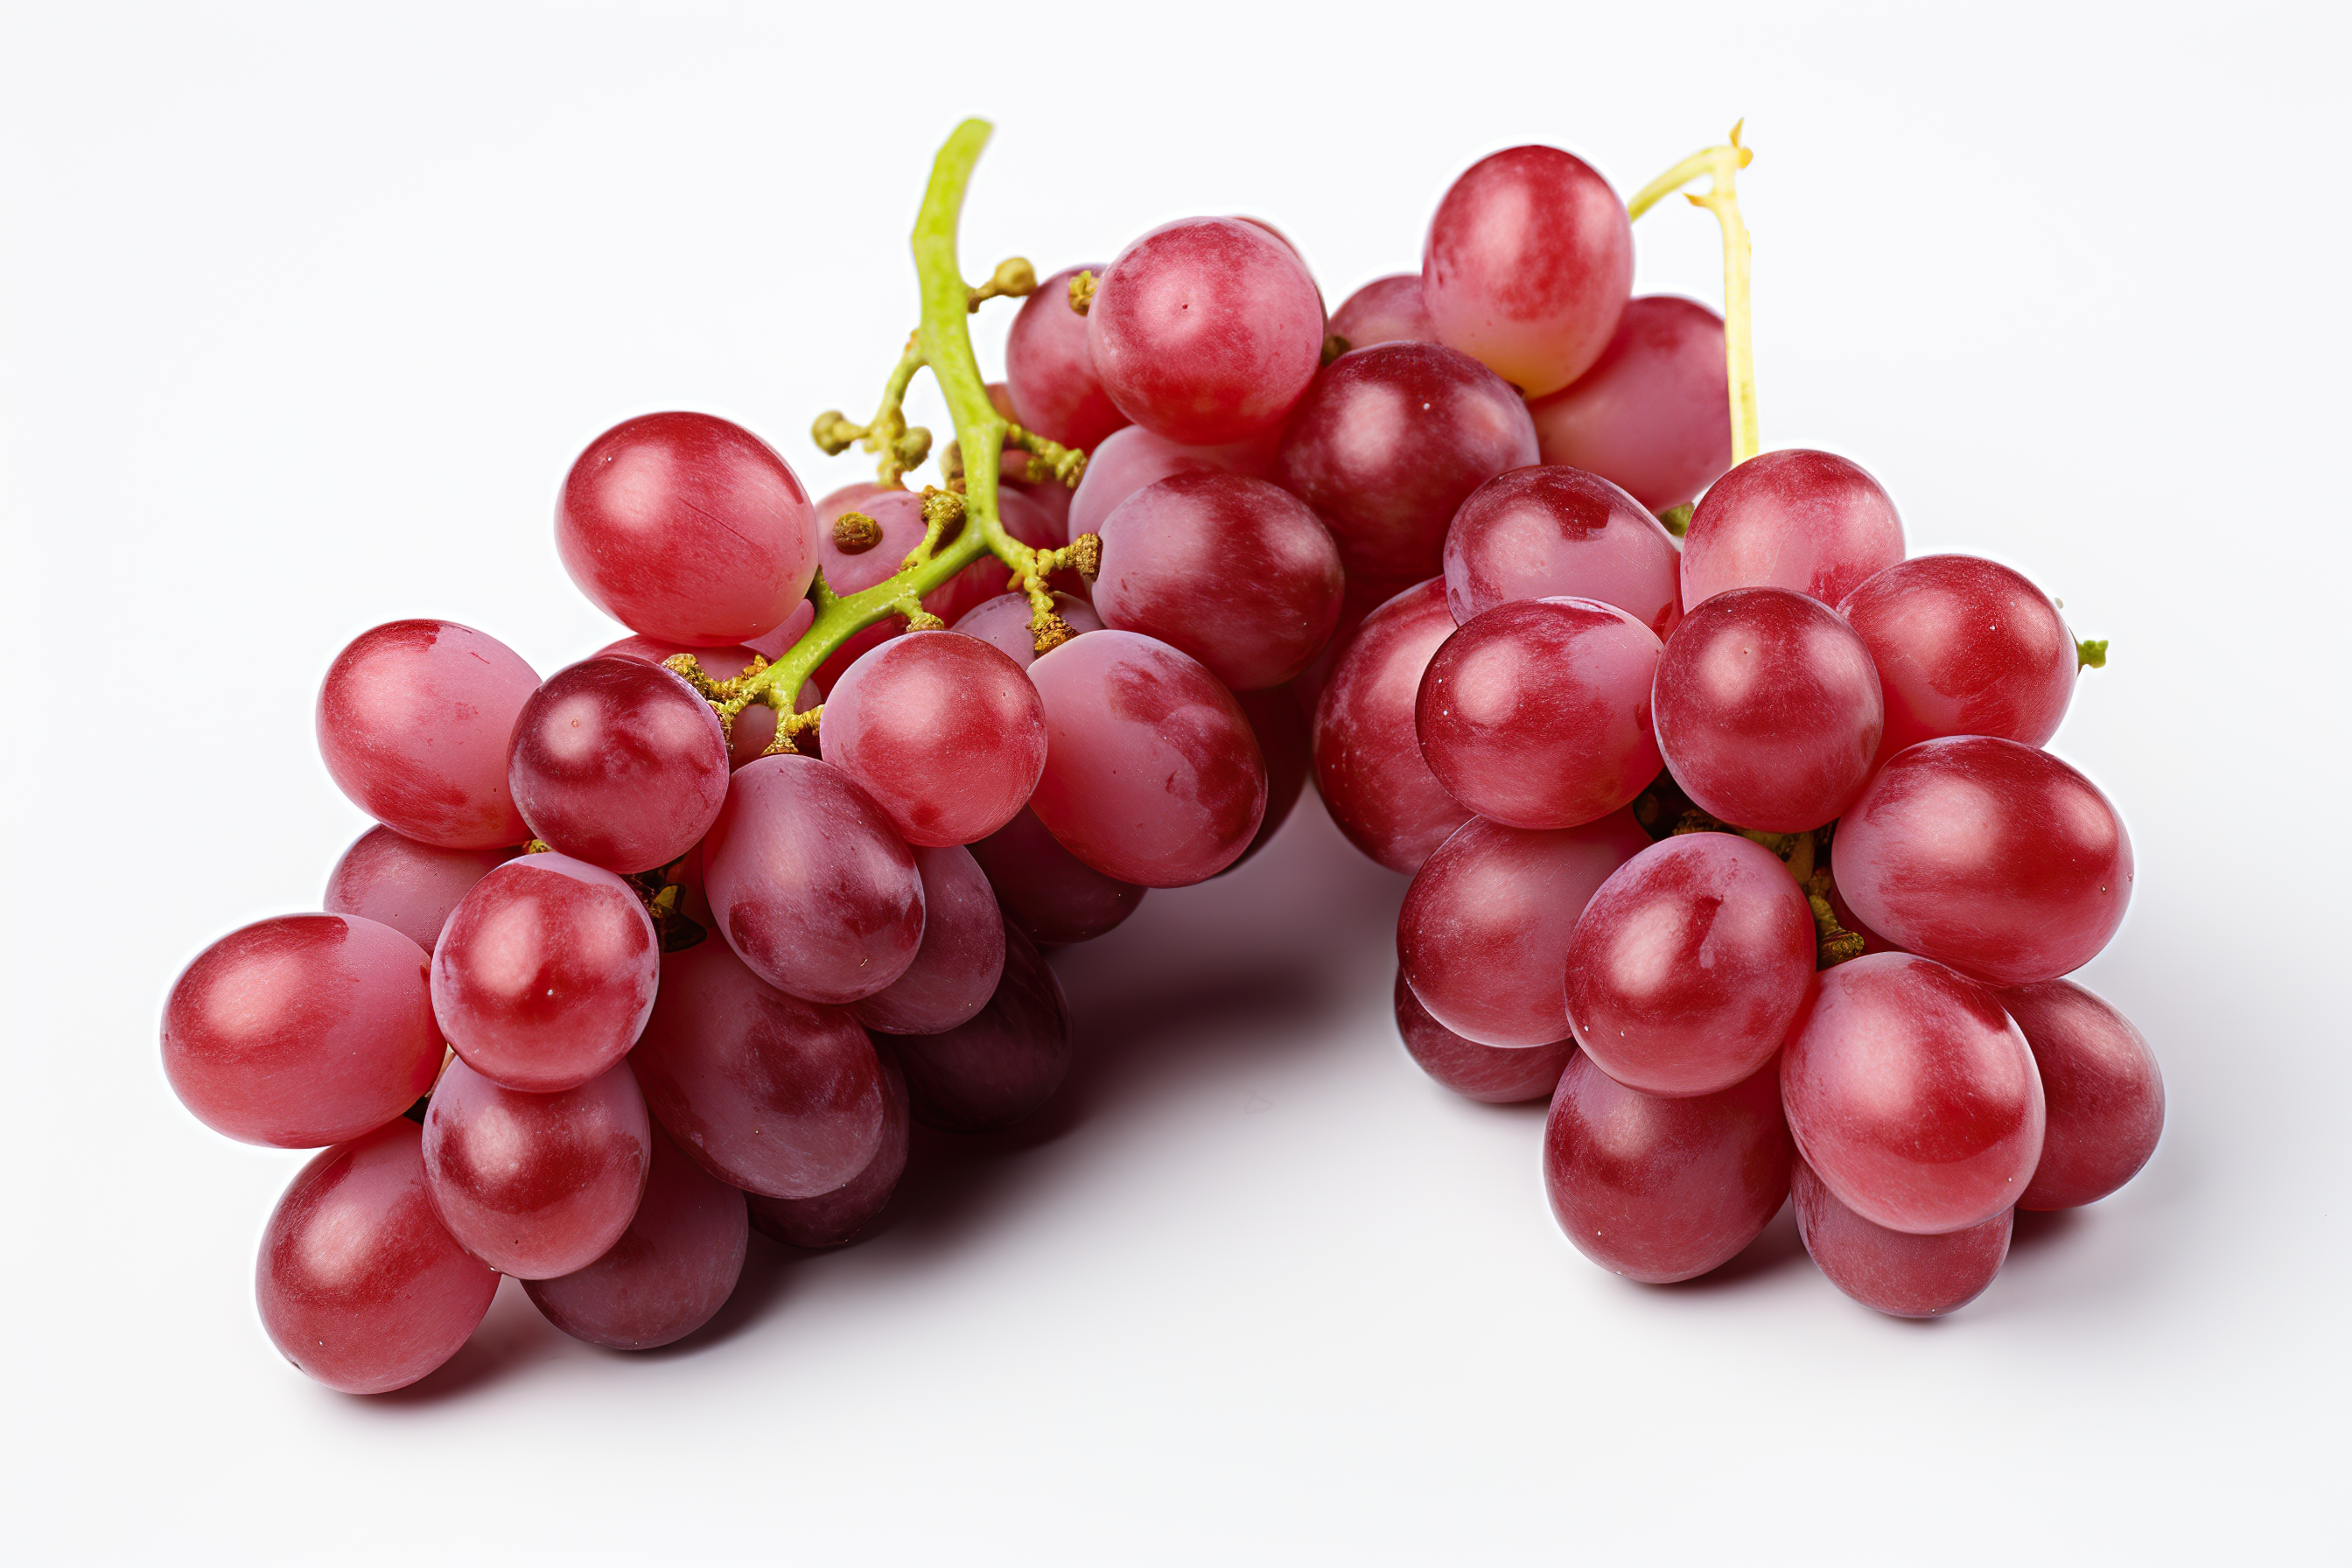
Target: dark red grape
1894, 1271
942, 731
1811, 522
618, 762
408, 885
1963, 646
2103, 1094
1001, 1065
1281, 729
836, 1218
1654, 414
961, 956
1497, 1075
1385, 311
1050, 371
671, 1270
1368, 762
1046, 891
1545, 532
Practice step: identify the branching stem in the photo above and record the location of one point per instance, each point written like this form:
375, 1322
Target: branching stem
1722, 165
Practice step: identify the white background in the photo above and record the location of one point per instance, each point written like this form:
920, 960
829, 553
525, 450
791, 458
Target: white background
305, 316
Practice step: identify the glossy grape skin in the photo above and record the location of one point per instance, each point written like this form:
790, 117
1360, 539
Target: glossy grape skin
686, 528
1050, 371
1894, 1271
301, 1031
1282, 740
1528, 264
1205, 330
1660, 1190
1484, 931
1497, 1075
1963, 646
1003, 623
775, 644
1389, 442
942, 731
1125, 462
1046, 893
410, 886
2103, 1094
412, 721
536, 1185
359, 1285
1385, 311
1912, 1094
961, 956
1152, 774
1654, 414
543, 977
991, 1072
1238, 572
671, 1270
1767, 710
1688, 963
618, 762
1538, 713
755, 727
1994, 858
1368, 762
1812, 523
837, 1217
767, 1092
809, 884
1545, 532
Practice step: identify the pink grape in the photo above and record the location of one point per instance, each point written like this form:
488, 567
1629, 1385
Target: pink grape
1236, 572
1654, 414
408, 885
1385, 311
775, 644
809, 882
1046, 893
1687, 965
1368, 762
1497, 1075
1050, 371
1001, 1065
837, 1217
1537, 713
1003, 623
671, 1270
544, 975
2103, 1094
1767, 710
1528, 264
412, 722
1657, 1189
853, 569
1281, 731
1205, 330
1894, 1271
1546, 531
1994, 858
1963, 646
1152, 774
1912, 1094
686, 528
1125, 462
767, 1092
1484, 931
536, 1185
301, 1031
755, 727
961, 956
1811, 522
1389, 442
618, 762
359, 1284
943, 732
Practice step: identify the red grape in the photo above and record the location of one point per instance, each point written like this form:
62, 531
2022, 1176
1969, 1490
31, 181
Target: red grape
992, 1071
412, 722
1894, 1271
812, 886
1963, 646
1767, 710
2101, 1089
359, 1284
1495, 1074
1236, 572
1485, 929
408, 885
671, 1270
1047, 892
775, 644
943, 732
836, 1218
1654, 414
1543, 531
1128, 461
1003, 623
1528, 263
1368, 762
536, 1185
962, 952
544, 975
1388, 443
1152, 774
1912, 1094
755, 727
1994, 858
618, 762
1205, 330
1807, 522
1537, 713
301, 1031
1385, 311
1660, 1190
1281, 731
1686, 967
1050, 371
686, 528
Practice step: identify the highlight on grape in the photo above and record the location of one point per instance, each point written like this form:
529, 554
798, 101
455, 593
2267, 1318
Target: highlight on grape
1729, 825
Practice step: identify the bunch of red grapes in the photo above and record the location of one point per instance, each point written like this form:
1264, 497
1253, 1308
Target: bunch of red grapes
1740, 847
